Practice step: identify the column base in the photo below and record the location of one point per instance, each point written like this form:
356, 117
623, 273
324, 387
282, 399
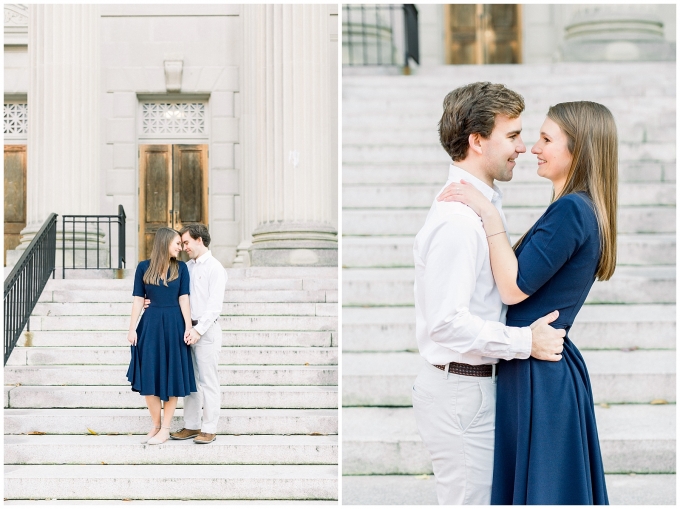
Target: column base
294, 244
242, 254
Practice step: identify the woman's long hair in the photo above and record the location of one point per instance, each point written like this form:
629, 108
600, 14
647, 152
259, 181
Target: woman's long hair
161, 259
593, 143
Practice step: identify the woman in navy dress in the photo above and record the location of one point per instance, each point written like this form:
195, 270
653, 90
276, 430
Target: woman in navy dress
547, 449
160, 367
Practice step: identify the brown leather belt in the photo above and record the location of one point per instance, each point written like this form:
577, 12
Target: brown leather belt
467, 369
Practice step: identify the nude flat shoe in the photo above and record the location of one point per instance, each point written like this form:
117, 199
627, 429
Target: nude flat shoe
156, 441
147, 438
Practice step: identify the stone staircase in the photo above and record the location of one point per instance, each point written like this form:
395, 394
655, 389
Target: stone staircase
73, 426
393, 167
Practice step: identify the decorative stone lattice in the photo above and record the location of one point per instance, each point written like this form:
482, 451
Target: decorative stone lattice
173, 118
16, 118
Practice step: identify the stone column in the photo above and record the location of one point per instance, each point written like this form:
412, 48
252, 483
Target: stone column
63, 118
287, 135
616, 33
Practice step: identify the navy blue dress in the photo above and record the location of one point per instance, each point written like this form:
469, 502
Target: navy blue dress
546, 449
160, 363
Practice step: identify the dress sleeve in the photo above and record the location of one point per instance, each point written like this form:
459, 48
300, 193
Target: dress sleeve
138, 289
183, 279
559, 233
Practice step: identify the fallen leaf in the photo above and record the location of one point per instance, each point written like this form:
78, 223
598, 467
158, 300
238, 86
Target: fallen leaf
92, 432
126, 500
104, 463
114, 433
316, 434
306, 363
422, 476
632, 473
604, 405
658, 402
37, 433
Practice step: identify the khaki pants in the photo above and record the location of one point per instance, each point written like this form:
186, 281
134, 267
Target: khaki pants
456, 417
205, 356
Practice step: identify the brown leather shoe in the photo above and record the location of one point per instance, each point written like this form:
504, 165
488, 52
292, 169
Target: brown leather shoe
205, 438
184, 434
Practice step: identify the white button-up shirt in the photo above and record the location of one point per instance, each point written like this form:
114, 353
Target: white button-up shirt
208, 281
460, 316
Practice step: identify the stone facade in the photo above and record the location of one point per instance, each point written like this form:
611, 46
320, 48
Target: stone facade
145, 56
552, 33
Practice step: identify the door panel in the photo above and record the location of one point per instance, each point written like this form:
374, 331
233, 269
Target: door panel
483, 34
155, 195
189, 184
173, 190
15, 195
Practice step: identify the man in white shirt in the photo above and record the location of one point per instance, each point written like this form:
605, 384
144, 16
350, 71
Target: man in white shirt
208, 280
460, 318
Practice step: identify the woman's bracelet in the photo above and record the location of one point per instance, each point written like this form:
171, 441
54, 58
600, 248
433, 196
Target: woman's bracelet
495, 234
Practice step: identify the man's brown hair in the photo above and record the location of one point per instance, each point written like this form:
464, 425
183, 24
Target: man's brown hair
197, 231
472, 109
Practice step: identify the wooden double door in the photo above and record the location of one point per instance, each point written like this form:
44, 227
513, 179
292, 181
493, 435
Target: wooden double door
15, 195
173, 190
483, 33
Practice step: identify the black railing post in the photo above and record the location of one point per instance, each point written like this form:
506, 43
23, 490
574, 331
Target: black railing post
121, 236
63, 245
411, 48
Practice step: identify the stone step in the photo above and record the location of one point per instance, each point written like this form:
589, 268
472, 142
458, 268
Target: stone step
622, 489
124, 295
629, 285
382, 125
514, 195
259, 339
291, 288
376, 123
553, 75
431, 153
237, 482
86, 502
602, 326
121, 309
384, 441
571, 72
104, 375
285, 356
644, 219
395, 104
228, 323
123, 397
632, 249
130, 421
436, 173
233, 284
386, 378
127, 450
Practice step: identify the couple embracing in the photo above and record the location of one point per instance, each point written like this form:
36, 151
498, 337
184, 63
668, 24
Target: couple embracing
175, 347
504, 403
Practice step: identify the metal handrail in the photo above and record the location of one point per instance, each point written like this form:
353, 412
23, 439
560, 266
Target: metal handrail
379, 22
98, 220
26, 281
